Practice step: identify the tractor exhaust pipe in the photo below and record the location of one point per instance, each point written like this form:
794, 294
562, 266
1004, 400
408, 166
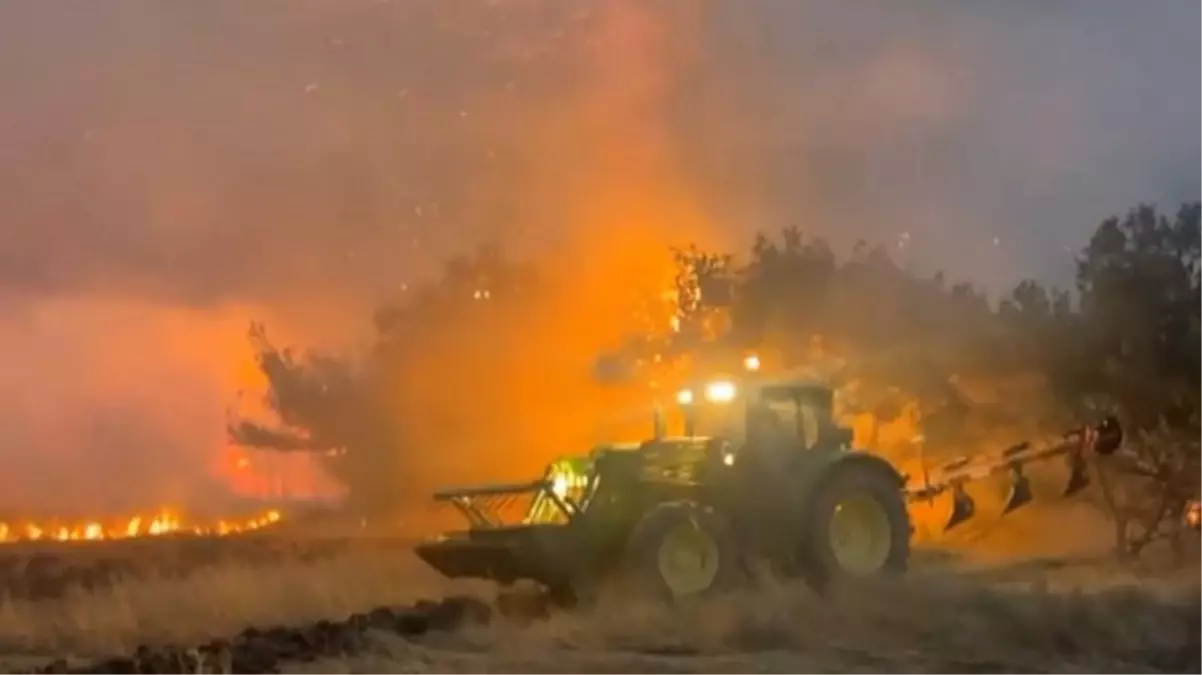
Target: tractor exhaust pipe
657, 422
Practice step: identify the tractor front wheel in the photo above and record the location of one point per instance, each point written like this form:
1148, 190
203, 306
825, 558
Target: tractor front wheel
857, 525
681, 550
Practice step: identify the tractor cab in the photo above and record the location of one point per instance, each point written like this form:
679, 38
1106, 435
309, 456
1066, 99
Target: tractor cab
781, 415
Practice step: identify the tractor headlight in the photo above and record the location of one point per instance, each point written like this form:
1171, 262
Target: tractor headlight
720, 392
560, 485
684, 397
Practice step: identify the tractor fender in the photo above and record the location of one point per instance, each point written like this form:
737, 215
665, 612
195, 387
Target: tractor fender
817, 465
822, 466
815, 558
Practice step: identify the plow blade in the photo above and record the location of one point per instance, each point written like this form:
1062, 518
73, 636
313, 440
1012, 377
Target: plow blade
1020, 491
963, 508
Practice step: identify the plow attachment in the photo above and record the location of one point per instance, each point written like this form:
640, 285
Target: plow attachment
1075, 446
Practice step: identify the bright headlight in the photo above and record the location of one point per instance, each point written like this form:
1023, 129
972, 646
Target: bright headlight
720, 392
560, 485
684, 396
751, 363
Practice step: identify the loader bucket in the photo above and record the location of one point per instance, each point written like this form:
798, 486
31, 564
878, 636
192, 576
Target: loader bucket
459, 558
963, 508
503, 561
1020, 490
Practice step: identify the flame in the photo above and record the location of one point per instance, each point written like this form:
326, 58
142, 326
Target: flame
165, 522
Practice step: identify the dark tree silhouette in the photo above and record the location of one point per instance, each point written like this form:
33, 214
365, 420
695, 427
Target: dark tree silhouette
351, 412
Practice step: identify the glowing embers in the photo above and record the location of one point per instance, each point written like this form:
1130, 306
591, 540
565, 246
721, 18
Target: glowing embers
1193, 514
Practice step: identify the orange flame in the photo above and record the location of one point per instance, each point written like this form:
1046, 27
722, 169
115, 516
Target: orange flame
165, 522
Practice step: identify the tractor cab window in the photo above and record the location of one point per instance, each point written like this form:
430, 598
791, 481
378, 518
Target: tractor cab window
788, 418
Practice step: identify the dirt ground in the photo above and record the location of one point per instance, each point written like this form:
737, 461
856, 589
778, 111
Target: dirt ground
953, 613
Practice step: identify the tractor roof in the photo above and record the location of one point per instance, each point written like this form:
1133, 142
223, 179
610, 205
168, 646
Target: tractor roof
815, 391
620, 446
783, 381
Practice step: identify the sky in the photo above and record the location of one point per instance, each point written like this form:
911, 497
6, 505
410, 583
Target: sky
171, 171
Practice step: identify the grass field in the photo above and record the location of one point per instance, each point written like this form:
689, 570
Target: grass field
1034, 616
192, 590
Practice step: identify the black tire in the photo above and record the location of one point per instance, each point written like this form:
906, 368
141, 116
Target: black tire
855, 483
641, 570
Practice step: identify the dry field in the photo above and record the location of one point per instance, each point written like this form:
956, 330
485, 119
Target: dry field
188, 605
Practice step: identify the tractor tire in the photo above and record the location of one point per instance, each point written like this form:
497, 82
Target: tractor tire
856, 525
680, 551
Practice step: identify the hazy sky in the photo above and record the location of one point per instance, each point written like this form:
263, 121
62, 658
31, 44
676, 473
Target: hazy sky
169, 170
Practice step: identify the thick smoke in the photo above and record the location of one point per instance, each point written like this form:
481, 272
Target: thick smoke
169, 171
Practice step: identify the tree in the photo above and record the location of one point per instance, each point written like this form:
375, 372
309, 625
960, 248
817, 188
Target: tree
1139, 284
364, 417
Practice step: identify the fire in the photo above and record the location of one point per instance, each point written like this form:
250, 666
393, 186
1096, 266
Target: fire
165, 522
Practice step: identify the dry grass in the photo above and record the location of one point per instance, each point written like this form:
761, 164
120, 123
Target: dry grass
920, 625
214, 602
1033, 618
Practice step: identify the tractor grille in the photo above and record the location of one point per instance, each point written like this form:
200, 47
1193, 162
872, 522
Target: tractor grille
677, 461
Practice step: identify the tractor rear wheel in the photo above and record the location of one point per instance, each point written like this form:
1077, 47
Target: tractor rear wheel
680, 550
856, 526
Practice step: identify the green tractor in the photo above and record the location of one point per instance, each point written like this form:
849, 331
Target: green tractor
761, 474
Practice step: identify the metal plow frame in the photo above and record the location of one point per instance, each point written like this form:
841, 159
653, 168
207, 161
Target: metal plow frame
1097, 441
481, 505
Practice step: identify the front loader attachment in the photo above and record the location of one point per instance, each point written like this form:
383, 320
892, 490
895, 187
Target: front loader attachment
504, 555
515, 531
1097, 441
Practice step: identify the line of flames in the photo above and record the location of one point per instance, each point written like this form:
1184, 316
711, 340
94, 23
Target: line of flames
166, 522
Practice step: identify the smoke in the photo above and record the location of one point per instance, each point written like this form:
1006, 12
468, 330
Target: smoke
170, 171
957, 123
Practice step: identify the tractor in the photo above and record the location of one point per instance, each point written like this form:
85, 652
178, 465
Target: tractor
760, 474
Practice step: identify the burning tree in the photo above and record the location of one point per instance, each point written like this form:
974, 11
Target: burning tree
356, 412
